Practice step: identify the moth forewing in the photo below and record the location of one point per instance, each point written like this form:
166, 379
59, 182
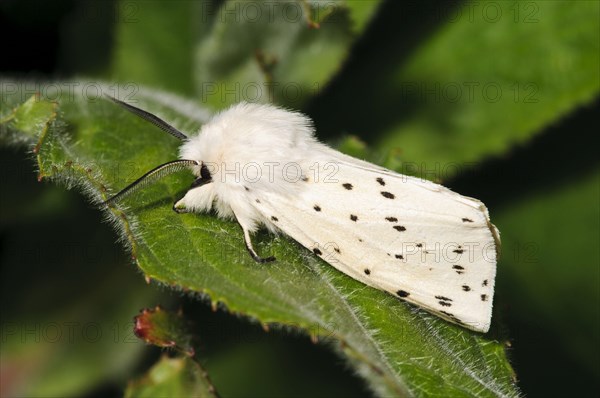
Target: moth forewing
423, 243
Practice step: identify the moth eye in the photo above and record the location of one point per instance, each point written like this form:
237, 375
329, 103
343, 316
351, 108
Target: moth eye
204, 173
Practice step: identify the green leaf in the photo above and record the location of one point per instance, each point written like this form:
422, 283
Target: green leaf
235, 50
155, 43
398, 349
29, 118
172, 377
362, 12
164, 329
353, 146
258, 51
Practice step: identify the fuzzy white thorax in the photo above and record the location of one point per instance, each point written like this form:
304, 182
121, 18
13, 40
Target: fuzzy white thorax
250, 147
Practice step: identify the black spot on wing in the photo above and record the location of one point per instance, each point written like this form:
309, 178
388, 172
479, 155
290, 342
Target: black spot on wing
459, 251
317, 207
367, 271
402, 293
380, 181
419, 245
467, 220
444, 304
399, 228
337, 250
466, 288
247, 189
353, 217
443, 298
392, 219
317, 251
388, 195
459, 269
305, 178
257, 200
484, 297
399, 256
348, 186
273, 218
485, 282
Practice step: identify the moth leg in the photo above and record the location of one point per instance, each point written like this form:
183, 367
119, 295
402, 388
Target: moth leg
180, 206
251, 250
192, 195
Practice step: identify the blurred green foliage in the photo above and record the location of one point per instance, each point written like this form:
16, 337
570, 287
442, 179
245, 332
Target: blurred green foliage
172, 377
397, 75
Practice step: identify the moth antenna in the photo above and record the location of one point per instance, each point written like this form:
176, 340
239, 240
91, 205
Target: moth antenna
152, 176
155, 120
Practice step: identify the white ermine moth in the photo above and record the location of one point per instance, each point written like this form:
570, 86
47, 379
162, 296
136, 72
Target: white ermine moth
262, 165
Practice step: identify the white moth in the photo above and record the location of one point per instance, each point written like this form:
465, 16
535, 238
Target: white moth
261, 165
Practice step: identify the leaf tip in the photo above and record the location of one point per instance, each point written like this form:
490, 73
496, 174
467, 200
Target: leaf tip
164, 329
